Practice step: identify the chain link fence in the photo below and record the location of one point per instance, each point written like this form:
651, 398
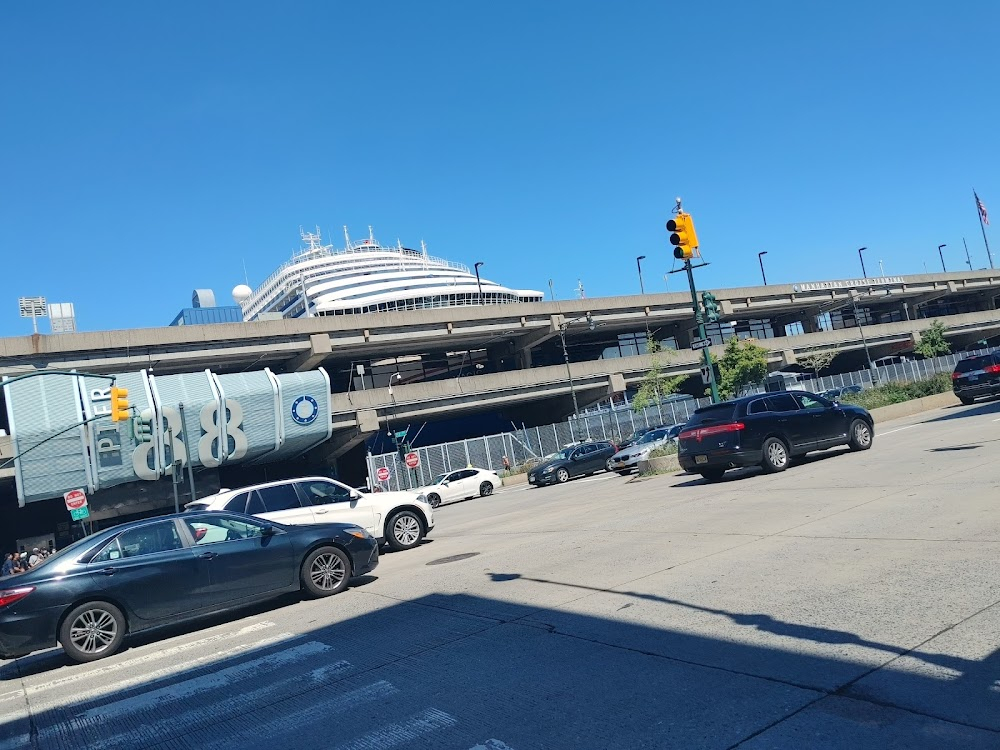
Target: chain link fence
617, 423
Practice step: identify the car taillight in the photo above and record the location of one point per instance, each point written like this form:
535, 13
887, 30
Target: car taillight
992, 369
698, 433
956, 375
9, 596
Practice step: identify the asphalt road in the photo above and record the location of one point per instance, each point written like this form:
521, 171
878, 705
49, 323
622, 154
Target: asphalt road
849, 602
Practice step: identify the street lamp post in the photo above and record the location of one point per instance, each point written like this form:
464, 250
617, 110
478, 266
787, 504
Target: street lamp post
569, 372
479, 283
941, 255
638, 264
861, 330
864, 273
760, 257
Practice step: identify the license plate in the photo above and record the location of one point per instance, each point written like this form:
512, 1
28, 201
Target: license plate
973, 378
701, 459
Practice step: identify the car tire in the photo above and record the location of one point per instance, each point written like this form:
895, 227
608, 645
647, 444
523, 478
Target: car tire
860, 435
92, 631
966, 400
776, 456
712, 475
434, 499
562, 476
486, 489
325, 571
405, 530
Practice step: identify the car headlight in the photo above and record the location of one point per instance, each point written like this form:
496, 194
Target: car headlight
548, 469
358, 532
421, 498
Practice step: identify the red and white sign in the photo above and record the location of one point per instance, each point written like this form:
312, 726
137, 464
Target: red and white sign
412, 460
75, 499
382, 474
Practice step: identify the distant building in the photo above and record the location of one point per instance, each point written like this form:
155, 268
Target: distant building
204, 311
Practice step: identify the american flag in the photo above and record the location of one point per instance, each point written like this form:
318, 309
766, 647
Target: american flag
982, 210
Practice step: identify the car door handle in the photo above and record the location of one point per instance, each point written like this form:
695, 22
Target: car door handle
321, 512
208, 556
109, 571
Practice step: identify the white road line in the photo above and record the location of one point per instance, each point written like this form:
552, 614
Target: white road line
253, 734
492, 745
220, 679
104, 669
239, 704
394, 735
898, 429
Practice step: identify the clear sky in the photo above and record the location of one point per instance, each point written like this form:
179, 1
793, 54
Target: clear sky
149, 149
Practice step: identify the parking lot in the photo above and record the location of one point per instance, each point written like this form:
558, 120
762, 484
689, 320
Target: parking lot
850, 601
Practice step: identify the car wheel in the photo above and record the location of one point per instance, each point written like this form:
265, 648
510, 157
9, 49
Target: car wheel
434, 499
326, 571
966, 400
775, 455
486, 489
92, 631
562, 476
712, 475
404, 530
861, 435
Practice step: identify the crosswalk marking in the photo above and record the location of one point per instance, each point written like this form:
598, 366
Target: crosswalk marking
188, 688
280, 726
158, 655
394, 735
238, 704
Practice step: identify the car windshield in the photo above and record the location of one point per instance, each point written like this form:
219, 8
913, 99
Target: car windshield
652, 437
974, 363
439, 478
75, 547
563, 454
724, 412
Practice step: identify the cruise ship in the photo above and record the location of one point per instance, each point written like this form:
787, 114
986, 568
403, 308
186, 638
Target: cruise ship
368, 277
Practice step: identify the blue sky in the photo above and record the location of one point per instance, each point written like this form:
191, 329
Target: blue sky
548, 140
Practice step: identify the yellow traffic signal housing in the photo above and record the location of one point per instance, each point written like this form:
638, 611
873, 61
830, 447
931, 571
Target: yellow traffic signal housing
683, 235
119, 404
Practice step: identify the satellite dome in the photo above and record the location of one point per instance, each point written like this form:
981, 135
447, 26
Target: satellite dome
241, 293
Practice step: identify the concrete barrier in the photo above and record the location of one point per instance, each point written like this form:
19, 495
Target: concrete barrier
660, 465
515, 479
914, 406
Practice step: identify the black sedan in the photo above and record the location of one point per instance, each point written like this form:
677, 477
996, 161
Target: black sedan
165, 570
767, 430
579, 460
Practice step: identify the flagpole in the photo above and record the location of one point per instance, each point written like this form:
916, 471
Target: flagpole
985, 241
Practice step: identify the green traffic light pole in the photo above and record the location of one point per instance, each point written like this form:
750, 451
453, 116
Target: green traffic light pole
700, 319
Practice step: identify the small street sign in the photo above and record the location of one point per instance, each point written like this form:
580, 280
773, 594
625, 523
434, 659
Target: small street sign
382, 474
78, 514
412, 460
75, 500
700, 344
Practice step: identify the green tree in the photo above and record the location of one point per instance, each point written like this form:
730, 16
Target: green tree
656, 384
818, 361
932, 341
743, 363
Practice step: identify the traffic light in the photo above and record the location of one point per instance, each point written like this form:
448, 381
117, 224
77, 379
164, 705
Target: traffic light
119, 404
143, 427
711, 305
401, 450
683, 236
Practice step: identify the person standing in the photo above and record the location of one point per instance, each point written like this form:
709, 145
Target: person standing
8, 566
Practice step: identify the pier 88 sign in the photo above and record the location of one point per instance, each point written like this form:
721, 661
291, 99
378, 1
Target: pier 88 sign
198, 418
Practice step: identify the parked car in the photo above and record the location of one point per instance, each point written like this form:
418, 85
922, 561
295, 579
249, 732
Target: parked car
400, 519
635, 437
169, 569
834, 393
582, 460
463, 484
768, 430
627, 459
977, 376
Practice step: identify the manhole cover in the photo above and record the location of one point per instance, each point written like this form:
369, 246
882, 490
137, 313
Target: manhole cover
453, 558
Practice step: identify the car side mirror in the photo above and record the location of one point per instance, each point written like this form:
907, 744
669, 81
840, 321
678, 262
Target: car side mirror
268, 531
445, 484
355, 495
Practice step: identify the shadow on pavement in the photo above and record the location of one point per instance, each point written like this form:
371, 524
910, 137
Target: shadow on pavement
960, 411
451, 670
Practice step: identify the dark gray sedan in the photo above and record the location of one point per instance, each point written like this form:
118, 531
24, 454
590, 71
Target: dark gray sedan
165, 570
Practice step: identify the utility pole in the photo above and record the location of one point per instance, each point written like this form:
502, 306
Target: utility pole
685, 242
968, 258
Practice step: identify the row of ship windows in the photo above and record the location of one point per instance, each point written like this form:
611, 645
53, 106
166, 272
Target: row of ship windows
424, 303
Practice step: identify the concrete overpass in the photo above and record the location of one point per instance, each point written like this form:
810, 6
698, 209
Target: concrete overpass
303, 344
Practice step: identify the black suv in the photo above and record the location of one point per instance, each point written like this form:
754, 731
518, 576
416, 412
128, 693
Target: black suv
767, 430
977, 376
574, 461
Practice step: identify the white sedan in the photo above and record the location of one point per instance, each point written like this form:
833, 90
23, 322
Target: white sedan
462, 484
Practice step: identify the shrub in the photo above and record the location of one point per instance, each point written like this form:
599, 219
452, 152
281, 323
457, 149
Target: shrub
898, 392
664, 450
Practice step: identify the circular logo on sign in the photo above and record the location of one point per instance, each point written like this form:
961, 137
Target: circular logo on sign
795, 287
305, 410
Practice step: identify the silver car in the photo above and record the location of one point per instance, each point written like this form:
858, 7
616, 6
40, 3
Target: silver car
627, 459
